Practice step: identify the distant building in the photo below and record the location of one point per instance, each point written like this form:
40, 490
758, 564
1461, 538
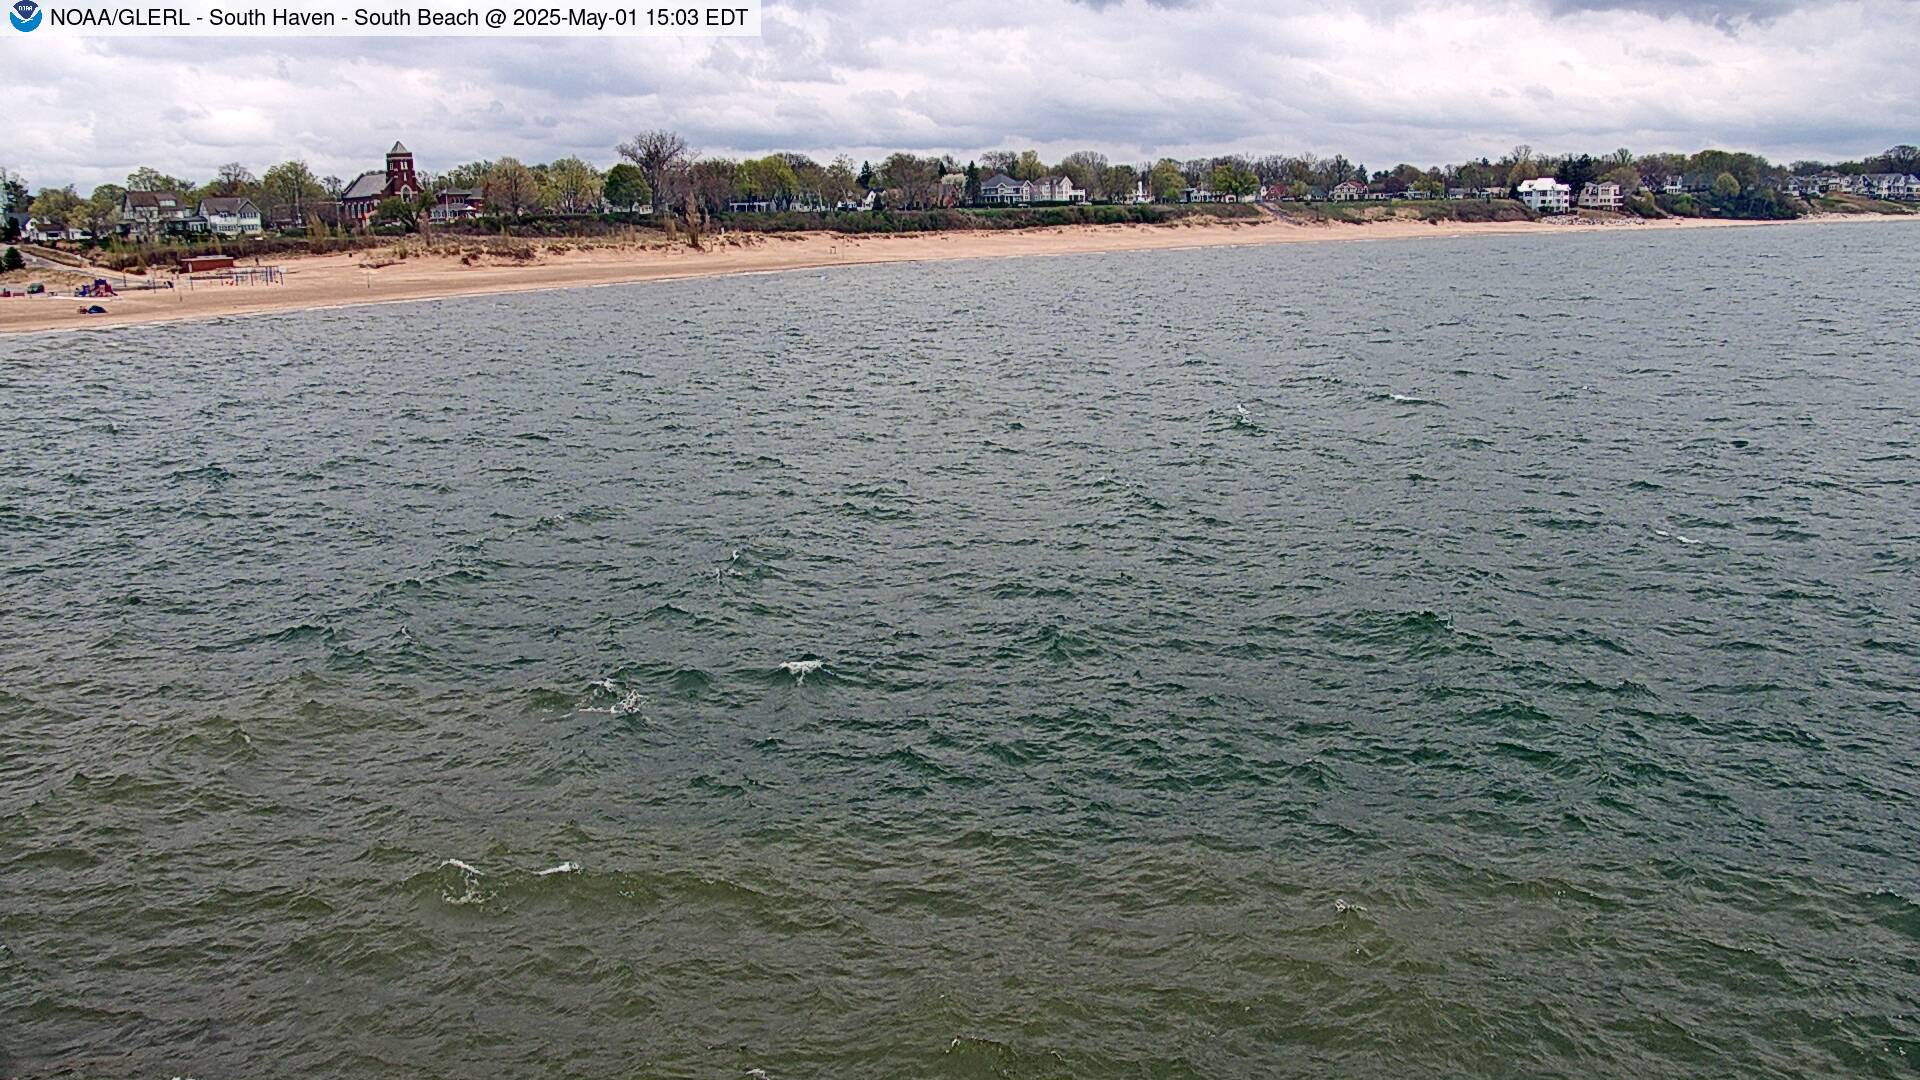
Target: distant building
1545, 195
1891, 186
1350, 191
147, 215
1602, 195
230, 216
1003, 190
369, 189
1057, 189
456, 204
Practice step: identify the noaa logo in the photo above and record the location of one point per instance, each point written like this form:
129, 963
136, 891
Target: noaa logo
25, 15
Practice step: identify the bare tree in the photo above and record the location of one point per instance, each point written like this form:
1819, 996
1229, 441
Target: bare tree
233, 179
511, 187
657, 153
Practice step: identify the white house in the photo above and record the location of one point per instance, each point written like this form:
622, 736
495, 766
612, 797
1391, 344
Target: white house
1891, 185
231, 216
1545, 195
1057, 189
41, 232
1003, 190
1602, 195
1350, 191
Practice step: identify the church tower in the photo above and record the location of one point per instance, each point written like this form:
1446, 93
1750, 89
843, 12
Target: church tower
400, 171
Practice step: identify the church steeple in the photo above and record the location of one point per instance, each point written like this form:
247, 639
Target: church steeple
400, 174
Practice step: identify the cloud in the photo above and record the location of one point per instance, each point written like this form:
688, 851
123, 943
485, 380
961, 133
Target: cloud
1425, 81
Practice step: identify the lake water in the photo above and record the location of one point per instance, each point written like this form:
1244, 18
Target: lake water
1489, 657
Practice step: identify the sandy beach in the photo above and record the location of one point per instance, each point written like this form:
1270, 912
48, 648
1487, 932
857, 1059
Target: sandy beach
358, 278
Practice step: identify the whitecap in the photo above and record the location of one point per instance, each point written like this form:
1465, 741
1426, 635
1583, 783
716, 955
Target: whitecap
800, 669
1342, 904
568, 867
464, 867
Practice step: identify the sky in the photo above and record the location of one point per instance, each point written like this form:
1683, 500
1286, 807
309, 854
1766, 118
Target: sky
1419, 81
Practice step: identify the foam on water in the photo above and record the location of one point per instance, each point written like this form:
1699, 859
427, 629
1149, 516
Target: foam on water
1144, 694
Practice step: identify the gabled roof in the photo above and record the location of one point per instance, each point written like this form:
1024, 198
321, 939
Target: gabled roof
999, 179
228, 204
366, 185
153, 200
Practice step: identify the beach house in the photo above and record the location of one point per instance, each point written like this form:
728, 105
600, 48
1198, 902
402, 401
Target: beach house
1602, 195
457, 204
1545, 195
1057, 189
230, 215
1350, 191
146, 215
1003, 190
1891, 186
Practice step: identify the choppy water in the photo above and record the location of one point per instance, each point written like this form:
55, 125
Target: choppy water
1407, 659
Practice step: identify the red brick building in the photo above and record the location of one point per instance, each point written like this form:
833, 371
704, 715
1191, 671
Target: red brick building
357, 203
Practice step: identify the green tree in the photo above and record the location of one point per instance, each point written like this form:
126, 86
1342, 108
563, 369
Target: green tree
1231, 178
13, 260
287, 190
768, 179
149, 179
1029, 167
572, 186
56, 208
100, 214
1119, 182
625, 187
1726, 185
398, 211
1167, 180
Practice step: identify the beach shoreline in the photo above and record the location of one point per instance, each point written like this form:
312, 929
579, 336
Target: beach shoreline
345, 280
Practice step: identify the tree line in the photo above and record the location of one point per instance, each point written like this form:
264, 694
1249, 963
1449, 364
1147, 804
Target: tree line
659, 170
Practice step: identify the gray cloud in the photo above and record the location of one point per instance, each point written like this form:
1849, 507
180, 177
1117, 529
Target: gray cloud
1427, 82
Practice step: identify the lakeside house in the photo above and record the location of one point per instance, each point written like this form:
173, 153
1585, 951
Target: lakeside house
228, 216
1602, 195
369, 189
36, 231
146, 215
1058, 189
1349, 191
1545, 195
456, 204
1896, 186
1003, 190
1902, 186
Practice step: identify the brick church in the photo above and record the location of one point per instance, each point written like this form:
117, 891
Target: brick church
357, 203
